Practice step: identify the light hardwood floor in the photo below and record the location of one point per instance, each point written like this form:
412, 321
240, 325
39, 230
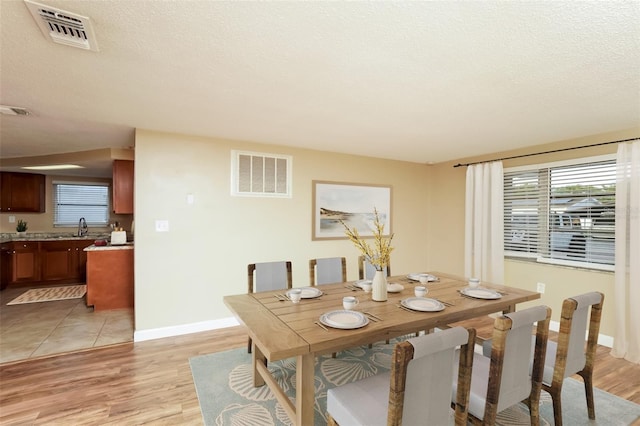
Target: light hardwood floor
150, 383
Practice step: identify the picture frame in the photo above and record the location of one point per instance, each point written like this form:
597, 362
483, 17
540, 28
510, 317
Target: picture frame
354, 203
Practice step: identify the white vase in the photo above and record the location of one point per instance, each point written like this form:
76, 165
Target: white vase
379, 287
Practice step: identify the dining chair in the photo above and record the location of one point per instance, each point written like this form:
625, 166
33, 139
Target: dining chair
267, 276
569, 355
418, 388
327, 270
366, 270
504, 379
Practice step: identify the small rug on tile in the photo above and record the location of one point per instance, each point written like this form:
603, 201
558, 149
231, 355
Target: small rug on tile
227, 397
49, 294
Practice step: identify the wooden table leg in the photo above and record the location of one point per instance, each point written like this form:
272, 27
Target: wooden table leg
257, 357
305, 389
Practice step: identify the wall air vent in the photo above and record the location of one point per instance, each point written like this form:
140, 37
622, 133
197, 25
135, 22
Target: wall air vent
63, 27
255, 174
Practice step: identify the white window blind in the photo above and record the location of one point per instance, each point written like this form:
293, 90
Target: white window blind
564, 213
73, 201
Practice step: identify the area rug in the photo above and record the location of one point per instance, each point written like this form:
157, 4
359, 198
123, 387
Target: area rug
227, 397
49, 294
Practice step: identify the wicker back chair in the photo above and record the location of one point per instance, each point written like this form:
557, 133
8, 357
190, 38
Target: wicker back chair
327, 270
418, 388
268, 276
504, 379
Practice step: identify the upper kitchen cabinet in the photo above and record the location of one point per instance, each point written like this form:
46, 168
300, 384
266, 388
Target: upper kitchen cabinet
123, 186
22, 192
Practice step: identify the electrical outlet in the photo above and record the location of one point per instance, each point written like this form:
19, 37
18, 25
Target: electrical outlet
162, 226
540, 288
12, 219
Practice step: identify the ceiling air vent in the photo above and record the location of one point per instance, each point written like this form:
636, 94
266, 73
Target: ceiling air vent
63, 27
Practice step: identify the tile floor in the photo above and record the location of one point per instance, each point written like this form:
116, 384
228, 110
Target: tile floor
33, 330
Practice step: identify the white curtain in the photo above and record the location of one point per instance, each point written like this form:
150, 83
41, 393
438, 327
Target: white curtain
484, 224
626, 343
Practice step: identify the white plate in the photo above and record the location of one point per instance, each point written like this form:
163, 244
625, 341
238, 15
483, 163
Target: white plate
480, 293
345, 320
423, 304
394, 288
360, 282
309, 293
416, 277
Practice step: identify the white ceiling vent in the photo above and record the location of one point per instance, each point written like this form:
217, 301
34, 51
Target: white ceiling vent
63, 27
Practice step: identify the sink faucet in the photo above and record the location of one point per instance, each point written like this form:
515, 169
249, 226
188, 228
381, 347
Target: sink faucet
82, 227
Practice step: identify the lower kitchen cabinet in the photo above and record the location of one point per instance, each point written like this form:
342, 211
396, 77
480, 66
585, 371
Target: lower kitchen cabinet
58, 259
64, 260
25, 262
31, 262
5, 264
110, 278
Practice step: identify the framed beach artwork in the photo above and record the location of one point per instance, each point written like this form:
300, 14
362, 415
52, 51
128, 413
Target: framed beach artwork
353, 203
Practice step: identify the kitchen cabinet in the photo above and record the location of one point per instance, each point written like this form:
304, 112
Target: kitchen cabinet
63, 260
22, 192
25, 262
110, 278
5, 264
58, 260
123, 174
81, 262
28, 262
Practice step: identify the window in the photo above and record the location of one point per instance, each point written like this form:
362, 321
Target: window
71, 201
260, 175
562, 213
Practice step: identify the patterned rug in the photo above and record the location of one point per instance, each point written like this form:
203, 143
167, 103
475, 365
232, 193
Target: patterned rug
227, 397
49, 294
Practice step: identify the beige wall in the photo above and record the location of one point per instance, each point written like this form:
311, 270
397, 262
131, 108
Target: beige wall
43, 222
446, 229
182, 275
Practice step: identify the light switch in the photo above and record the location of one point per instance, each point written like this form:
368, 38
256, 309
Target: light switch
162, 226
12, 219
190, 198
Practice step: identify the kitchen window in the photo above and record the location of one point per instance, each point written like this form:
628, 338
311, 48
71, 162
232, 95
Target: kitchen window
72, 201
562, 213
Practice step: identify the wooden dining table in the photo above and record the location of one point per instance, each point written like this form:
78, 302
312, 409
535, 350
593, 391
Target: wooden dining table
281, 329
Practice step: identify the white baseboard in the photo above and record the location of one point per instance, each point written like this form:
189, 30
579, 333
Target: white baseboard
602, 339
178, 330
159, 333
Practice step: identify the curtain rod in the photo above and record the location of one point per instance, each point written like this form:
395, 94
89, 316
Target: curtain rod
544, 152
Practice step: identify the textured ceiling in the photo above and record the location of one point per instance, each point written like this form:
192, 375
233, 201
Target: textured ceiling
415, 81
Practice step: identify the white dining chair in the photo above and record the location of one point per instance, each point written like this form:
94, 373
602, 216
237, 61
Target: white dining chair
327, 270
570, 355
503, 379
417, 390
268, 276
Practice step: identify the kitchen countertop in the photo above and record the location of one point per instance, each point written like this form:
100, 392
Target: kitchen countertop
51, 236
93, 247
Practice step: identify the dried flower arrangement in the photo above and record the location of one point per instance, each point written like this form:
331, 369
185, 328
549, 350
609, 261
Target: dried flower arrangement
379, 254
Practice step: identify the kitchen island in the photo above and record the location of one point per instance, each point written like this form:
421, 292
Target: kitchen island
110, 276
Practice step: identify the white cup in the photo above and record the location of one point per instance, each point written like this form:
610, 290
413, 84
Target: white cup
366, 286
420, 291
349, 302
295, 295
474, 282
423, 279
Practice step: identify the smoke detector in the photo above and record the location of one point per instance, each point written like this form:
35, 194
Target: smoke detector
63, 27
